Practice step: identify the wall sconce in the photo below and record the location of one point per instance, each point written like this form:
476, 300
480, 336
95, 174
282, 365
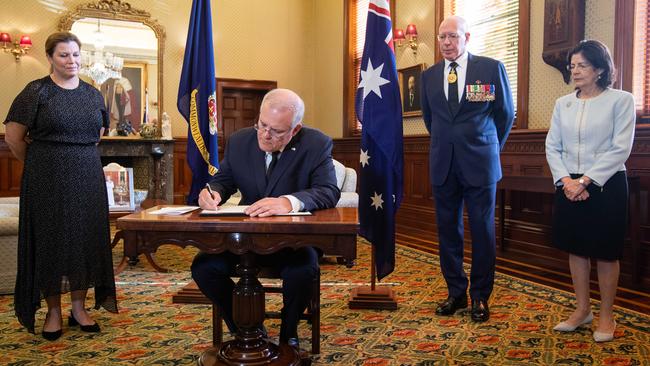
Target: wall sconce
410, 36
19, 48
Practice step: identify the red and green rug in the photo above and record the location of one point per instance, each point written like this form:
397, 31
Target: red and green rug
150, 330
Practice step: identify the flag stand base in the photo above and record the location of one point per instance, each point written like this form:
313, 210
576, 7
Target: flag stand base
381, 298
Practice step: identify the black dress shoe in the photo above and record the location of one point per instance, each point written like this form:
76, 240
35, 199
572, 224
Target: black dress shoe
52, 336
480, 311
449, 306
293, 342
93, 328
305, 359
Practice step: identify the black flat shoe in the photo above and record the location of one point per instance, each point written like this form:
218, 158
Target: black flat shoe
93, 328
52, 336
480, 311
449, 306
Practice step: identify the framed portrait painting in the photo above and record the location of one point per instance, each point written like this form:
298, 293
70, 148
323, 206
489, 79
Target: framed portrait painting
119, 187
409, 87
124, 96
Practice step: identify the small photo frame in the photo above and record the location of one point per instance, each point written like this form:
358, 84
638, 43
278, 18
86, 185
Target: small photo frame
119, 187
409, 87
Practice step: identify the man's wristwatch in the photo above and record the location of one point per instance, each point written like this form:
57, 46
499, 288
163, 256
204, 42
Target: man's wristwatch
582, 182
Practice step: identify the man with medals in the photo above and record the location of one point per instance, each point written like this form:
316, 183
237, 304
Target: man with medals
468, 110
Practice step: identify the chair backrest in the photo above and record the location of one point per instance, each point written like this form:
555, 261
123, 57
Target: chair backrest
346, 180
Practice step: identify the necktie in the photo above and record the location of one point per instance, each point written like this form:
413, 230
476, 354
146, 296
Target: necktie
452, 91
273, 163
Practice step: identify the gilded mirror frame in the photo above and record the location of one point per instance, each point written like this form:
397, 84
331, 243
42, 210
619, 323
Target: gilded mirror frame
121, 10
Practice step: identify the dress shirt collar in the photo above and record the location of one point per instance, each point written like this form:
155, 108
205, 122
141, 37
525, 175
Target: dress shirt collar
461, 61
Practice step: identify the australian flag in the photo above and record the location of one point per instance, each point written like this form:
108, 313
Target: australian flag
379, 108
197, 99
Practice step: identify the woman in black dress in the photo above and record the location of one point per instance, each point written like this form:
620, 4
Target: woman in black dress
53, 126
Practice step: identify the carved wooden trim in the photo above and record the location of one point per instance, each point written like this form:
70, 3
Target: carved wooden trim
109, 9
348, 72
523, 67
438, 16
564, 27
624, 44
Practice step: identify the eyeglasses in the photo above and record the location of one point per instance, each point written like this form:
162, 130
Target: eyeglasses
579, 66
452, 36
261, 127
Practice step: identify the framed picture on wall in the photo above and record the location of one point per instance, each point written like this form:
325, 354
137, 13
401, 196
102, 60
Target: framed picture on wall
125, 96
409, 87
119, 187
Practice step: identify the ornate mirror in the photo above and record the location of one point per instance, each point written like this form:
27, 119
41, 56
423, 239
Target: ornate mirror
117, 35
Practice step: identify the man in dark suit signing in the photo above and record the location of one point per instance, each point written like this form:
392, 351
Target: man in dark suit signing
279, 166
468, 111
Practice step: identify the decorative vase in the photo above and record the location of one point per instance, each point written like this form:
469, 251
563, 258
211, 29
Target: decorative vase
148, 131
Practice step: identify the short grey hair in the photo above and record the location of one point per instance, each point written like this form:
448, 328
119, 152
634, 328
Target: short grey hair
286, 99
461, 23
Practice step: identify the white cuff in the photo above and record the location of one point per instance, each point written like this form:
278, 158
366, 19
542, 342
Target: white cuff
296, 204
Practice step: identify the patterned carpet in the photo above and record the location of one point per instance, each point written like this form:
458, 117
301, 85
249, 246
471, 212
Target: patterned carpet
150, 330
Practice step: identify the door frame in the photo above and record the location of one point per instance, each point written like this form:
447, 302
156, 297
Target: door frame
237, 84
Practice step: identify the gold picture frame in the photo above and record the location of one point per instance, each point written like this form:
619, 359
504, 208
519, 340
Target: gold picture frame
409, 88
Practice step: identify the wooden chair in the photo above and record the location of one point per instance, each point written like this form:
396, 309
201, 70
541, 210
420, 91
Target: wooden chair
192, 295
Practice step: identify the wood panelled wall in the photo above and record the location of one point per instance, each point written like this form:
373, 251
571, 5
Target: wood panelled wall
525, 197
524, 243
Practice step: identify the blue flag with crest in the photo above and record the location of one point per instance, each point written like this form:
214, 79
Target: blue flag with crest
379, 109
197, 101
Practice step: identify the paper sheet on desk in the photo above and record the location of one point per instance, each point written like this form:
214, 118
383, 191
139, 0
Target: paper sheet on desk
174, 210
239, 211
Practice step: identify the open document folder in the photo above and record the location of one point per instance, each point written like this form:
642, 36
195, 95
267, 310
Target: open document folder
239, 211
173, 210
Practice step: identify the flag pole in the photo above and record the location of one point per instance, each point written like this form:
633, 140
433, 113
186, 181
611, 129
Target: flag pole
373, 297
372, 270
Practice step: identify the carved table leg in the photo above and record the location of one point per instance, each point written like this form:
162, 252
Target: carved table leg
153, 263
116, 239
249, 346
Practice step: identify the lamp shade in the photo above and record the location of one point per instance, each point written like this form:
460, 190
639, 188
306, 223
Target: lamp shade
411, 30
25, 42
5, 37
399, 35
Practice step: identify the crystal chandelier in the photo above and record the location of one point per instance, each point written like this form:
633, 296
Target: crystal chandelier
99, 65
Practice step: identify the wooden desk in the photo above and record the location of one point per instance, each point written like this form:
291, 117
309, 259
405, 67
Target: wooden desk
334, 231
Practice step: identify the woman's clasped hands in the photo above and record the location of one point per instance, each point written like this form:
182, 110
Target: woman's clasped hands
574, 190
